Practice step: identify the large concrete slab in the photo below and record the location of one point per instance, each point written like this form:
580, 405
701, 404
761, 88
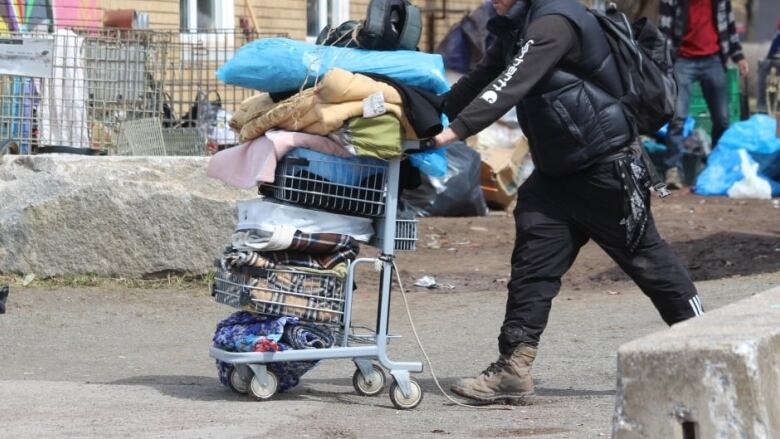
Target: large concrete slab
715, 376
112, 216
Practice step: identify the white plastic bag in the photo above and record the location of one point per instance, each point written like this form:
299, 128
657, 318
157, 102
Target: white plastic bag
751, 185
218, 130
499, 135
267, 215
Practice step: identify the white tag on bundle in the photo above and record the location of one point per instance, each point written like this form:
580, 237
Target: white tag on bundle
374, 105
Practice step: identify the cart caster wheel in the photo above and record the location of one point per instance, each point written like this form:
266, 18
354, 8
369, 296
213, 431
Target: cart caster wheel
261, 392
238, 384
402, 402
371, 385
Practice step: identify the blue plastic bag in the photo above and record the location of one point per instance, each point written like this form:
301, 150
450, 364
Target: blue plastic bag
724, 168
757, 136
350, 171
653, 147
688, 126
722, 171
280, 64
432, 163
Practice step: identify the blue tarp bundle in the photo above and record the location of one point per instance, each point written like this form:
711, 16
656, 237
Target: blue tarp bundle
280, 64
747, 153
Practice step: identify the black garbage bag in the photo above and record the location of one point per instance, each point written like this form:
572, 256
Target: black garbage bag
3, 297
457, 193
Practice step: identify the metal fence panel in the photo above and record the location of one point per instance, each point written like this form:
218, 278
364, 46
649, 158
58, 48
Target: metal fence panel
102, 80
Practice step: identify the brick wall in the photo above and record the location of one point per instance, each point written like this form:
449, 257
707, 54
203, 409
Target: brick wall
275, 16
443, 18
162, 13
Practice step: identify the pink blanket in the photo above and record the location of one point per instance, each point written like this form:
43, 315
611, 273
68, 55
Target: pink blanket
248, 164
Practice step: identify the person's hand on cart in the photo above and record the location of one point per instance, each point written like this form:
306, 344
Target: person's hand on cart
445, 138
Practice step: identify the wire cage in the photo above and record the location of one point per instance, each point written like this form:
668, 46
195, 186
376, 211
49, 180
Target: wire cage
355, 186
405, 234
141, 137
98, 80
184, 142
102, 78
283, 292
193, 98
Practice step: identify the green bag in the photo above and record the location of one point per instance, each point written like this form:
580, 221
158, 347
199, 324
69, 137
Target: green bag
378, 137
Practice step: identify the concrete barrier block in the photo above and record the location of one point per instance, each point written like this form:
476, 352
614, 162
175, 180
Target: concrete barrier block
715, 376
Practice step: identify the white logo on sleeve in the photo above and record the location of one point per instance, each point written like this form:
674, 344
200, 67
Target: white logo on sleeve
489, 96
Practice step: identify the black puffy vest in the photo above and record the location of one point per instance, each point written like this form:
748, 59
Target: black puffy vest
572, 118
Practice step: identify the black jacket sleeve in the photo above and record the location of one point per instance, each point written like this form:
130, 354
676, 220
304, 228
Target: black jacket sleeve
548, 40
466, 89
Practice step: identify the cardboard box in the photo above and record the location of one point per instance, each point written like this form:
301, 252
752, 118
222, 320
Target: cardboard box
500, 173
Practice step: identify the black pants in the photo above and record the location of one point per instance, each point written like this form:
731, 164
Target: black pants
554, 218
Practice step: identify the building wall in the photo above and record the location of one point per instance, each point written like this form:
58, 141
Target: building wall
357, 9
440, 17
162, 13
274, 16
289, 16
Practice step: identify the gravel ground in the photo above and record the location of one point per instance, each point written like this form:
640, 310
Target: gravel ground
114, 362
101, 363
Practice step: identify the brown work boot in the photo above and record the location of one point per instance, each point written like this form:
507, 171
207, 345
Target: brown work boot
507, 380
673, 179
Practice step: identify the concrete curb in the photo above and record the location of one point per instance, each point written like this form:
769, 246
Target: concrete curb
715, 376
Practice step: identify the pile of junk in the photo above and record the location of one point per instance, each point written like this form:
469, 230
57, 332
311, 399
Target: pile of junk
745, 163
320, 88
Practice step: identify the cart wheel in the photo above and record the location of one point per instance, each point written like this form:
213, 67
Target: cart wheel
238, 384
372, 384
402, 402
261, 392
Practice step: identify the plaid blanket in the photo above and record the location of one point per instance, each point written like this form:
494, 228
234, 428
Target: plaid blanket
305, 336
317, 250
313, 250
236, 259
310, 297
307, 295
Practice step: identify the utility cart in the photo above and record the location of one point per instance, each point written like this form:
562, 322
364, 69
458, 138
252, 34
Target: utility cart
360, 188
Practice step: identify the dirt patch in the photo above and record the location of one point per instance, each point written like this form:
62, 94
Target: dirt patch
715, 237
338, 433
519, 432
